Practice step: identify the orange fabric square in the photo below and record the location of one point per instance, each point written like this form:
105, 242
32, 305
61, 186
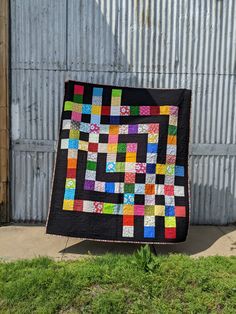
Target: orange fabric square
72, 163
114, 129
171, 139
149, 188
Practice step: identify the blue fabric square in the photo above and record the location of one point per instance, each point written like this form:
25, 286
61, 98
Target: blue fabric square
169, 210
110, 166
109, 187
97, 91
86, 109
149, 232
152, 148
151, 168
73, 143
129, 198
114, 119
69, 194
179, 171
84, 127
95, 119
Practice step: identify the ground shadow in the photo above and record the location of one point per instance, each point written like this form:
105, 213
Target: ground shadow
200, 238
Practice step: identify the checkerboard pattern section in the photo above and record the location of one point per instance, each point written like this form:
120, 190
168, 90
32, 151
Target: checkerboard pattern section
121, 158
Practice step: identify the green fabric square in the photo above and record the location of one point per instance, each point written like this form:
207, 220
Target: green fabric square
120, 166
172, 130
116, 92
121, 148
134, 110
70, 183
78, 99
129, 188
91, 165
68, 106
108, 208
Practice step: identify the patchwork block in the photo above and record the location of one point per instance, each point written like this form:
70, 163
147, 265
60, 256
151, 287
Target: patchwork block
122, 165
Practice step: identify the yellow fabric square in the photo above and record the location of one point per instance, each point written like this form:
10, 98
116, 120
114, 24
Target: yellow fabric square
83, 145
77, 107
160, 169
128, 209
96, 109
112, 148
68, 204
170, 222
152, 138
130, 156
159, 210
165, 110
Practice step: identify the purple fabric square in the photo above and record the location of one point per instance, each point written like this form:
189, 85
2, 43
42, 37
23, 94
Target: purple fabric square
89, 185
133, 128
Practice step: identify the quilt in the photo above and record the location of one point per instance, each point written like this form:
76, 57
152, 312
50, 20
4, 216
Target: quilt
121, 171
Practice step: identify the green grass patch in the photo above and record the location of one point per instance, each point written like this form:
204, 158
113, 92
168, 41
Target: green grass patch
138, 283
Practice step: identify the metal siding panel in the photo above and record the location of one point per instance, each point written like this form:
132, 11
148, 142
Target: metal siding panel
157, 44
38, 29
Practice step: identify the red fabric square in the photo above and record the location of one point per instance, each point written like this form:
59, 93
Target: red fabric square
180, 211
93, 147
155, 110
106, 110
71, 173
169, 190
78, 89
128, 220
78, 205
170, 233
129, 177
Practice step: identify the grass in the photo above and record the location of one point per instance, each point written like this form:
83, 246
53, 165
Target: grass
138, 283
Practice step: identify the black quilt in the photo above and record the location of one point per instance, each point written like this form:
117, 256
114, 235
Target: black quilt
121, 171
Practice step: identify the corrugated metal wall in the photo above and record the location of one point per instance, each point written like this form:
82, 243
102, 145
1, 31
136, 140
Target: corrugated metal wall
146, 43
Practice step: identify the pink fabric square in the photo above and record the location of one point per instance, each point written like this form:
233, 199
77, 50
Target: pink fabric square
140, 167
174, 110
170, 159
138, 210
144, 110
113, 139
132, 147
76, 116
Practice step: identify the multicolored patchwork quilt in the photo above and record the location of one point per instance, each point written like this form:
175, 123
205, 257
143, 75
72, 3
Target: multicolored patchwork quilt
121, 171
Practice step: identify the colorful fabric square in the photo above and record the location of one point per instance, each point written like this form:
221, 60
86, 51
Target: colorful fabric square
121, 173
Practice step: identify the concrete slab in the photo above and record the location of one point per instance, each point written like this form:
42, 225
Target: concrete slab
17, 242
